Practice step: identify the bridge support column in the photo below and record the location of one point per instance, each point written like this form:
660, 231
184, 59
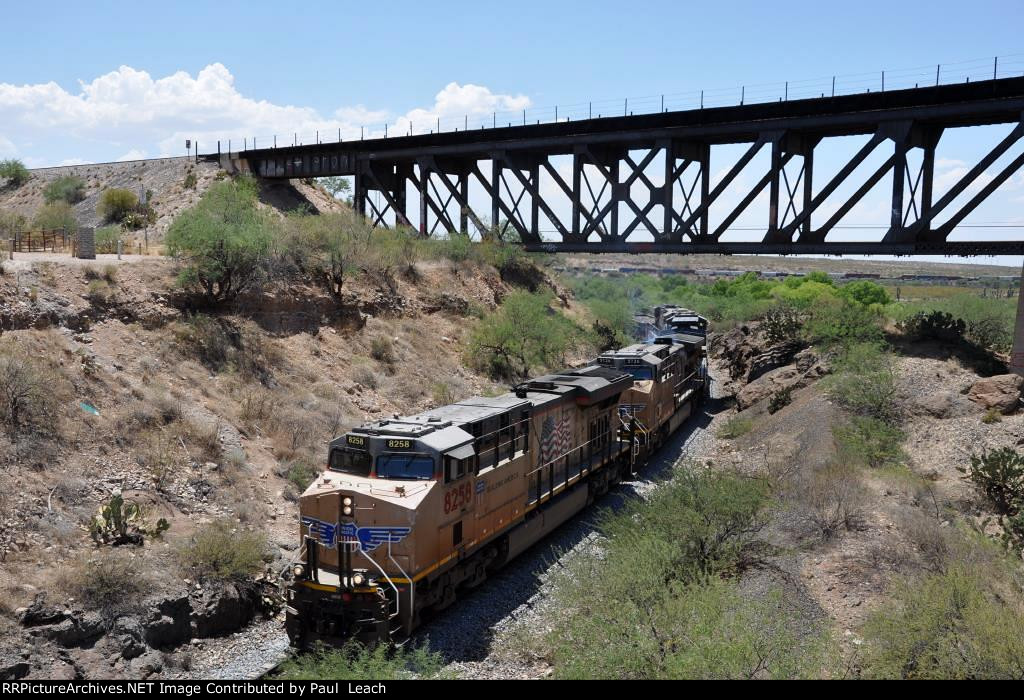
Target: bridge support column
359, 194
1017, 353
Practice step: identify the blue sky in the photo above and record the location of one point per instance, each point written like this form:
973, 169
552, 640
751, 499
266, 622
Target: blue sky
104, 81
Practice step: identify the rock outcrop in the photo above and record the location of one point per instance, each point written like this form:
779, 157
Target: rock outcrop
1001, 392
806, 368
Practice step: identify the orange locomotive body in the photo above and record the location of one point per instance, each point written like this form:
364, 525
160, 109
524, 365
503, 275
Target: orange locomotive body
412, 509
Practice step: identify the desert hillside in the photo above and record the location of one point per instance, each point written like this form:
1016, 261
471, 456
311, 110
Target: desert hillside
171, 184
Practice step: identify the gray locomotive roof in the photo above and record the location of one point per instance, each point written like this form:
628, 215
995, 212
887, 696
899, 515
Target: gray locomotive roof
591, 383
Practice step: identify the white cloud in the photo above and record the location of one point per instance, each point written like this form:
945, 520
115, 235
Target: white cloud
134, 154
130, 112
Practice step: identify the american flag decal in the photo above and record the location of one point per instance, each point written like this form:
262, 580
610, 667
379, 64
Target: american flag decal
554, 438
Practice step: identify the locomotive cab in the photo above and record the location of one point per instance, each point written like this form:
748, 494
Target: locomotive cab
355, 522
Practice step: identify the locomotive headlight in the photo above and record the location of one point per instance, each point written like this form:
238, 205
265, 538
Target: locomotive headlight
347, 510
358, 580
346, 501
299, 570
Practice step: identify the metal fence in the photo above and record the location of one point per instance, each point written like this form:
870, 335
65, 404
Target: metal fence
42, 241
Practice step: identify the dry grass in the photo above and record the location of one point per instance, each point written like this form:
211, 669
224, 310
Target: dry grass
202, 439
830, 499
110, 582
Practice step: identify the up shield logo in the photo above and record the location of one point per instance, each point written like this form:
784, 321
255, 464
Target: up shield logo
368, 538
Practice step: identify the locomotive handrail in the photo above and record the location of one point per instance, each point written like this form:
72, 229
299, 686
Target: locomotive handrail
407, 577
384, 576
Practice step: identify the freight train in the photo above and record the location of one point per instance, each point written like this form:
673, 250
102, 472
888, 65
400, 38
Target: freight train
412, 510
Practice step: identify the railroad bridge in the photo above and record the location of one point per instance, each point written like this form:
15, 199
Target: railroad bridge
643, 183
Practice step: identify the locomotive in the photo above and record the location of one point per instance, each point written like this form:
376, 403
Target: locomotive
414, 509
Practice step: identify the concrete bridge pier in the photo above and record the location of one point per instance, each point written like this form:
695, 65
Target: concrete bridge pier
1017, 353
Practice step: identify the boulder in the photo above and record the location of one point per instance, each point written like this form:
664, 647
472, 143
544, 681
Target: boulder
807, 367
74, 630
39, 613
943, 404
12, 667
166, 623
146, 665
222, 609
1001, 392
768, 384
129, 637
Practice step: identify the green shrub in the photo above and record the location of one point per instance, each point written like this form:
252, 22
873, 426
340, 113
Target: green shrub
869, 441
355, 662
735, 427
328, 247
865, 292
613, 322
457, 247
67, 188
988, 323
56, 215
834, 321
14, 172
442, 394
702, 521
523, 335
1000, 475
300, 474
11, 223
654, 602
949, 625
99, 292
781, 324
780, 399
116, 203
936, 325
223, 240
864, 381
708, 631
221, 551
336, 185
190, 180
106, 239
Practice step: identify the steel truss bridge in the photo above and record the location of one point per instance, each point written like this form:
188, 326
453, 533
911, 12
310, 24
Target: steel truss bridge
652, 174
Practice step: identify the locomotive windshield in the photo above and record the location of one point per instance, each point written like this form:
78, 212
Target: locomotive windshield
405, 466
350, 462
640, 372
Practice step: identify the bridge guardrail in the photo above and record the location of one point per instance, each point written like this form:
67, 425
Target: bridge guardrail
757, 93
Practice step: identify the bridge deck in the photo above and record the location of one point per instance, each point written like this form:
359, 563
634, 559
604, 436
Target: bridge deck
642, 183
